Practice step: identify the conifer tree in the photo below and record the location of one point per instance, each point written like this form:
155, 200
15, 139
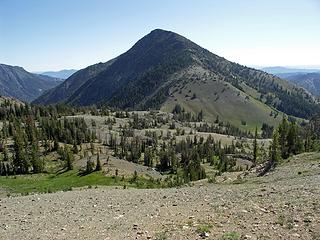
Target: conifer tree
275, 154
75, 148
5, 154
292, 139
255, 147
55, 145
20, 159
147, 158
36, 162
283, 137
67, 157
98, 166
90, 166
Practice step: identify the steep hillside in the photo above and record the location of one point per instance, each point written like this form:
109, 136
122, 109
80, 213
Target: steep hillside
18, 83
73, 83
309, 81
219, 98
158, 70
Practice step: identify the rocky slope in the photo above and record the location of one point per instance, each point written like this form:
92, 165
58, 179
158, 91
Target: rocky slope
284, 204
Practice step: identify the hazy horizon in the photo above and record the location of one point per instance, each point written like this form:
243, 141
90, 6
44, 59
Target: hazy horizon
317, 67
55, 35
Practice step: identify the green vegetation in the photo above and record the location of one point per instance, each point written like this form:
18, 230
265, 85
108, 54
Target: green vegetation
230, 236
285, 221
161, 236
181, 146
65, 181
36, 132
291, 139
204, 228
255, 147
164, 67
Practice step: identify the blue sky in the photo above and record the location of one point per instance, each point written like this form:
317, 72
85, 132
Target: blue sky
44, 35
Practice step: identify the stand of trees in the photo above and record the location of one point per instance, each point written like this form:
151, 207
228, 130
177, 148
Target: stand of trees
183, 158
29, 133
291, 139
180, 114
224, 128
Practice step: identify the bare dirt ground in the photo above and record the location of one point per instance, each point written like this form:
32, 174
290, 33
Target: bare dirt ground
111, 165
285, 204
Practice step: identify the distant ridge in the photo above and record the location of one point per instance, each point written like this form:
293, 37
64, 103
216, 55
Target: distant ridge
63, 74
309, 81
287, 70
18, 83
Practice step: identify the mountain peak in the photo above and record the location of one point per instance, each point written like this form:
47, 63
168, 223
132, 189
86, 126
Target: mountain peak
160, 41
159, 30
11, 67
164, 68
158, 35
162, 32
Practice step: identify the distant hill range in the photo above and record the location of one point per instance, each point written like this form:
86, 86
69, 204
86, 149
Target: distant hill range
309, 81
306, 78
62, 74
287, 70
17, 83
164, 69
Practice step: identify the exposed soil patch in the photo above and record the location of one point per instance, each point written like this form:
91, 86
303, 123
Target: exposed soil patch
284, 204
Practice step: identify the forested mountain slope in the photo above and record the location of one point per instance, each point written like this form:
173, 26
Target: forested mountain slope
309, 81
163, 69
18, 83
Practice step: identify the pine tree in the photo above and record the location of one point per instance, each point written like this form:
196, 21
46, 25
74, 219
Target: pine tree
75, 148
275, 155
164, 160
55, 145
255, 147
283, 137
36, 162
5, 154
98, 166
67, 157
217, 120
308, 141
174, 161
135, 176
200, 116
90, 166
20, 159
292, 139
147, 158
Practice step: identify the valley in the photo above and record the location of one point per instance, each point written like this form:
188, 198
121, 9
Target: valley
148, 144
